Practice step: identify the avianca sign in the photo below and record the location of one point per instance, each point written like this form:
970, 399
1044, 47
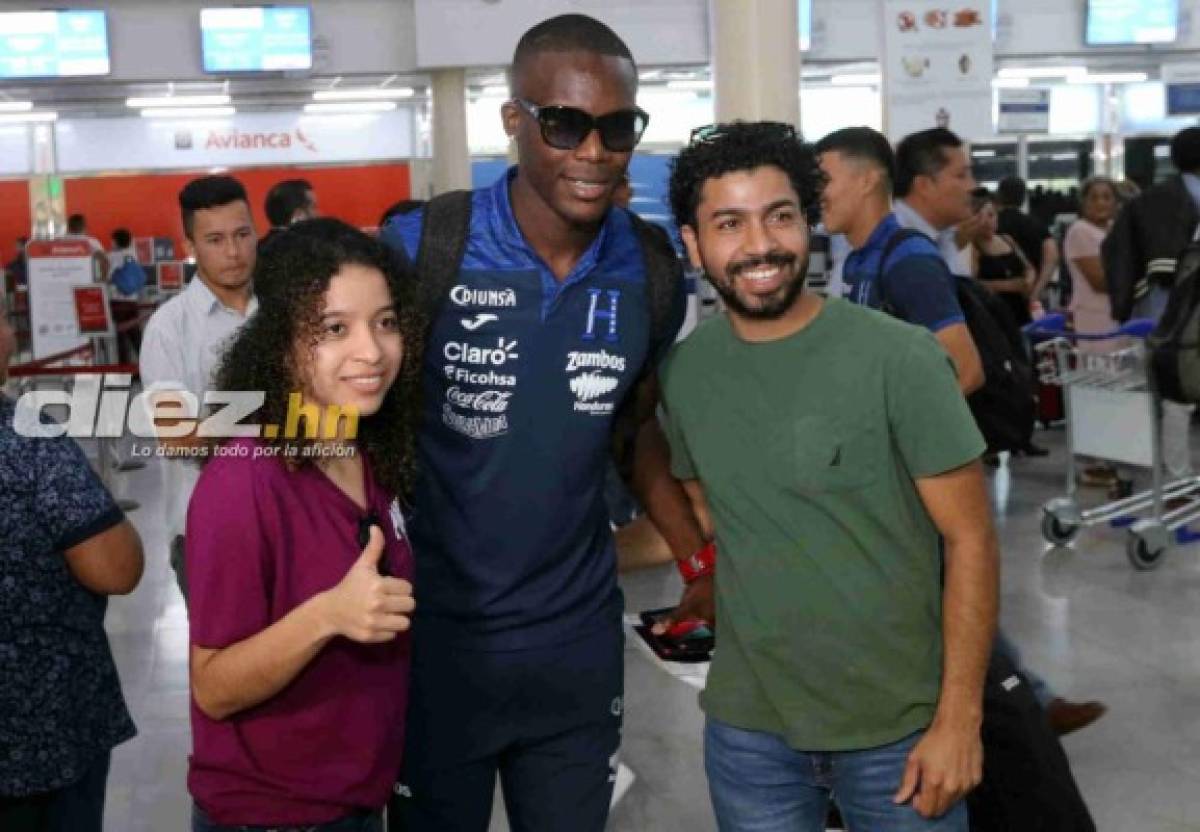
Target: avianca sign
239, 140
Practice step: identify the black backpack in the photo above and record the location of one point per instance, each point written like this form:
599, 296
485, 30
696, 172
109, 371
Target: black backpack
1003, 407
444, 233
1027, 782
1175, 341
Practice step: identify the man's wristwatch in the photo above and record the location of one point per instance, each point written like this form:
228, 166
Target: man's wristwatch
700, 564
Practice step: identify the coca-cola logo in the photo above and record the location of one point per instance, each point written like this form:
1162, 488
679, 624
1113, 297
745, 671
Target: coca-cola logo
483, 401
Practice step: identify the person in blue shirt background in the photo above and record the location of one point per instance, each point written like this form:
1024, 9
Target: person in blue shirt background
518, 644
914, 284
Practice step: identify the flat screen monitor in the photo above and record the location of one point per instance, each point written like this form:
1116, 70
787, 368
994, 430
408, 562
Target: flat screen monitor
1129, 22
53, 44
256, 38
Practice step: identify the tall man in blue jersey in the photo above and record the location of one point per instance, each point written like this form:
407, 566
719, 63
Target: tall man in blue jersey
545, 333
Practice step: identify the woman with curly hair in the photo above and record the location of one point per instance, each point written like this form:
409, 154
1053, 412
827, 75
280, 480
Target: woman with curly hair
297, 557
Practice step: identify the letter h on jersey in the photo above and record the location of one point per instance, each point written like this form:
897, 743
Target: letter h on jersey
598, 313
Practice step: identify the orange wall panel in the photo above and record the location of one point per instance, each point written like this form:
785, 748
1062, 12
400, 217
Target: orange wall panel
148, 204
14, 216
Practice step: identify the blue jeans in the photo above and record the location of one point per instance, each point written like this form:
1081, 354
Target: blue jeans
760, 784
358, 822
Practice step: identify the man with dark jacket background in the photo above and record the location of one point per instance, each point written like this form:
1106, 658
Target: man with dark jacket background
1149, 233
1139, 257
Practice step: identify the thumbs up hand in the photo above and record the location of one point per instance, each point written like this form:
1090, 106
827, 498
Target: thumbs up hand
365, 606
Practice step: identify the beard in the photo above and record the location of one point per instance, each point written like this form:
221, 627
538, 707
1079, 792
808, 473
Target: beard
766, 307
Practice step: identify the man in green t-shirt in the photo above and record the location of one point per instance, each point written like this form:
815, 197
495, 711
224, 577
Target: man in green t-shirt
856, 581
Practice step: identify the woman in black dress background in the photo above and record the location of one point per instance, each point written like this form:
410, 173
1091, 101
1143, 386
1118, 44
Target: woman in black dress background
998, 262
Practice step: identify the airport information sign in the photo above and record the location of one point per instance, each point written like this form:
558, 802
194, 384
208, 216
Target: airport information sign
1182, 89
1023, 111
55, 267
1117, 22
53, 44
256, 39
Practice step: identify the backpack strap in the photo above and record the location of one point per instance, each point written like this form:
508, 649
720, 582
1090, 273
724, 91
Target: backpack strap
663, 274
889, 248
893, 243
444, 232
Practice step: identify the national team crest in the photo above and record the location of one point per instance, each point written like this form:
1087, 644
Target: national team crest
602, 315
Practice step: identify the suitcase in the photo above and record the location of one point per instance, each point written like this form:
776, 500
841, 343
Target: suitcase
1049, 404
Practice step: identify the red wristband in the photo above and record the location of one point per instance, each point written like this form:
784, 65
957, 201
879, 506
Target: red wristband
700, 564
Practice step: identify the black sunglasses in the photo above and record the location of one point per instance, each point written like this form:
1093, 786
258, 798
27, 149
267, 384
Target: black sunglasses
565, 128
777, 130
364, 537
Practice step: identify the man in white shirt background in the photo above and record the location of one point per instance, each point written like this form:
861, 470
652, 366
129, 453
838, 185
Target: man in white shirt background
77, 230
185, 337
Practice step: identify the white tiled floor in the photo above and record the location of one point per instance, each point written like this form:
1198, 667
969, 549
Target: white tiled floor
1084, 618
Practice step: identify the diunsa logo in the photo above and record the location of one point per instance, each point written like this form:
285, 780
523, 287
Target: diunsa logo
488, 298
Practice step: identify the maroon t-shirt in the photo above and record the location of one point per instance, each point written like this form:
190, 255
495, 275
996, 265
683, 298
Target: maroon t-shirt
262, 540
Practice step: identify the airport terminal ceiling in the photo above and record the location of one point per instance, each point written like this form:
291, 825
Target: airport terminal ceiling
1093, 90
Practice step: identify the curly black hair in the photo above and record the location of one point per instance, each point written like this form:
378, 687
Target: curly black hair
290, 280
741, 146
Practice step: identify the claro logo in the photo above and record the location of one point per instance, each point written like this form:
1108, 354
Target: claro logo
238, 140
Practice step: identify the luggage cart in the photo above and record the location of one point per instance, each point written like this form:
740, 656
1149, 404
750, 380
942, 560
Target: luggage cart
1113, 412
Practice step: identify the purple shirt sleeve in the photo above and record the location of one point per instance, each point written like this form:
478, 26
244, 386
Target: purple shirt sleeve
228, 554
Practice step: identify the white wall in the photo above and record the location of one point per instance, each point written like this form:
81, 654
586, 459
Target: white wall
1032, 27
1144, 110
15, 157
159, 40
848, 30
484, 32
277, 138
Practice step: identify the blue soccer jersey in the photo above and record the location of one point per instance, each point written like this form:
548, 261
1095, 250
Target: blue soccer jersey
522, 377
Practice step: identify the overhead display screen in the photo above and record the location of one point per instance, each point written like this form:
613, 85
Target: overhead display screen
1117, 22
54, 44
256, 39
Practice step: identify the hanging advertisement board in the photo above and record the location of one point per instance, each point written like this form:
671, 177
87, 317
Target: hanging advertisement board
54, 268
93, 317
937, 67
